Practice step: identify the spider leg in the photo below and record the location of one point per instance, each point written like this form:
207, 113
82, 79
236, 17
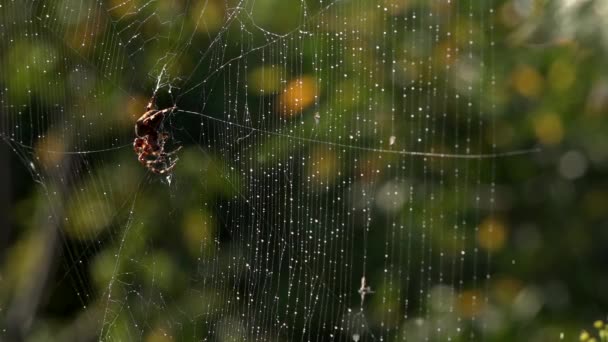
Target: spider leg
166, 110
143, 159
156, 158
159, 115
167, 169
169, 154
161, 167
151, 103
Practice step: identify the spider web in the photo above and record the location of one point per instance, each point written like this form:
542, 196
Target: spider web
336, 174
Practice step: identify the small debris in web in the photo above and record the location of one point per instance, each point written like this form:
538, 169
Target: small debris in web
391, 140
317, 118
364, 290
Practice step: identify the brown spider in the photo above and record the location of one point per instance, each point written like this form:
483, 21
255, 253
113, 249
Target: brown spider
149, 143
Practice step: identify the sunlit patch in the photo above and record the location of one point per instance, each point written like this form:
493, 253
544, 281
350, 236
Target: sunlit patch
492, 234
548, 128
198, 233
469, 303
265, 80
527, 81
297, 96
207, 16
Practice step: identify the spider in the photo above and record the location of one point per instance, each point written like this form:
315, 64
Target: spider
149, 143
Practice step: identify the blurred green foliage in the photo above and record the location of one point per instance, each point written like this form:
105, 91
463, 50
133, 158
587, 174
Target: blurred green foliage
132, 249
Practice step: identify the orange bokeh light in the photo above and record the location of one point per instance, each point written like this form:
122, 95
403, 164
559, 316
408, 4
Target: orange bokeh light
470, 303
297, 96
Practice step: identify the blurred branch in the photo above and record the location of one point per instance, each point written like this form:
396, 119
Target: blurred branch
26, 300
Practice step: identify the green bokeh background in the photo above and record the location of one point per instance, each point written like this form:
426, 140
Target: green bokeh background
64, 217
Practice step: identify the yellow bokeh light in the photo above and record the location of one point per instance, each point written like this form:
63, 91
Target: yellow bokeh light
527, 81
548, 128
297, 96
492, 234
207, 16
